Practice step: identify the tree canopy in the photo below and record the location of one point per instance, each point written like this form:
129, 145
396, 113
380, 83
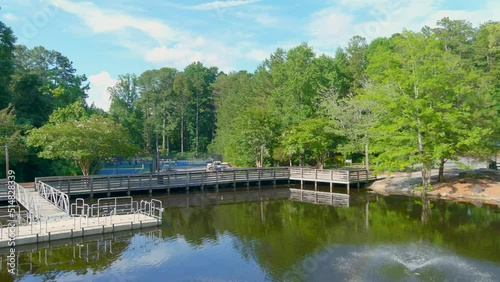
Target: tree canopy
83, 140
415, 98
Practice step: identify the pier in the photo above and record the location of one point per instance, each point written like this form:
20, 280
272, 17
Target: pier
345, 177
48, 215
48, 212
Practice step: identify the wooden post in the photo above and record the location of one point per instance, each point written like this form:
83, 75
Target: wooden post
234, 180
289, 174
259, 170
203, 180
248, 179
216, 181
109, 187
274, 177
358, 179
348, 183
128, 185
91, 190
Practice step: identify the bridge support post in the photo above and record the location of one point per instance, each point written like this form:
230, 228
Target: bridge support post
274, 177
234, 180
358, 179
248, 179
348, 182
259, 176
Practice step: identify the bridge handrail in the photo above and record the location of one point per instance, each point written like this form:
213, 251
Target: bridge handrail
144, 175
53, 195
30, 202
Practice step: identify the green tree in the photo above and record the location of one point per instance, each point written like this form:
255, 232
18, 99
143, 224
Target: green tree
315, 137
422, 102
7, 41
296, 77
10, 135
457, 36
357, 60
181, 105
199, 79
352, 117
156, 101
124, 110
85, 141
42, 82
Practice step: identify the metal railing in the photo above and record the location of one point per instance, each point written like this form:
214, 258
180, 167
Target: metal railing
55, 196
117, 206
28, 201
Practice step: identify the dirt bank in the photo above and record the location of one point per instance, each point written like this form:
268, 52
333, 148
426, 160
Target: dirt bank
477, 186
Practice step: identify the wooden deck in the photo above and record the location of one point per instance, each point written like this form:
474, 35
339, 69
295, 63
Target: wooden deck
332, 176
108, 184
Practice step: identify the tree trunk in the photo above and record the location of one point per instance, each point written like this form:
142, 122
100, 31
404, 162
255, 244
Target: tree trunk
164, 133
441, 170
182, 135
196, 140
426, 176
85, 166
367, 157
168, 146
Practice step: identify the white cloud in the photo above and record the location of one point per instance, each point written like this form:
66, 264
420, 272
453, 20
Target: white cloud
98, 93
335, 25
216, 5
10, 17
102, 20
187, 51
162, 44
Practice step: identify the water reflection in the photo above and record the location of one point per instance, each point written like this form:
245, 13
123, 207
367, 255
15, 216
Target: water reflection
261, 235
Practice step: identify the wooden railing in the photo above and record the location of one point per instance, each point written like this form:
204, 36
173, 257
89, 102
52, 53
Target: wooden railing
330, 175
139, 182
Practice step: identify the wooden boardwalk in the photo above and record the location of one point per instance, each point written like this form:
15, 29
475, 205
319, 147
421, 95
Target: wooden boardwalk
332, 176
108, 184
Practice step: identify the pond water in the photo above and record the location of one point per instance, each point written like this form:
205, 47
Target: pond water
264, 236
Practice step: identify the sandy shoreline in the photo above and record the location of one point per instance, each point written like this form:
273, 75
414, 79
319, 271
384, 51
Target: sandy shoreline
477, 187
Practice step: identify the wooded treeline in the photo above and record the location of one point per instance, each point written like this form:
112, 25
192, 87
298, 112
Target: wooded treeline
414, 98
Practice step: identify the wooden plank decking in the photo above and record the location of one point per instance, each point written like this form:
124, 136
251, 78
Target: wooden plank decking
108, 184
331, 176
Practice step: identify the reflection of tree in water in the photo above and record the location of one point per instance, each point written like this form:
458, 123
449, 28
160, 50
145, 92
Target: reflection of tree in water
280, 235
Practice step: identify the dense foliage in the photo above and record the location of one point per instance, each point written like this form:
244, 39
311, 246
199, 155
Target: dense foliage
414, 98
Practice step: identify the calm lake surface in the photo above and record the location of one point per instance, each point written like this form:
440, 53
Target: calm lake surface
264, 236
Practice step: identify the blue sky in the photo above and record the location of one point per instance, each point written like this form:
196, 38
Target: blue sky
108, 38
